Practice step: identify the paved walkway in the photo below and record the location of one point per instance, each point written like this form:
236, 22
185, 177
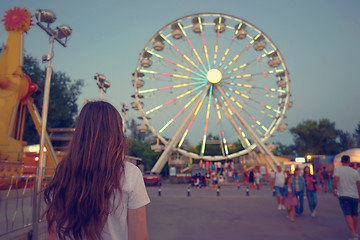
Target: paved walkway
233, 215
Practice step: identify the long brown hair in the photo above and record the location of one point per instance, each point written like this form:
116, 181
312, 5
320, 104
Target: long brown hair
78, 197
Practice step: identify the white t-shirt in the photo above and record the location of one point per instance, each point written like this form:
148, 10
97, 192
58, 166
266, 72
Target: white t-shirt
347, 181
279, 179
134, 196
257, 177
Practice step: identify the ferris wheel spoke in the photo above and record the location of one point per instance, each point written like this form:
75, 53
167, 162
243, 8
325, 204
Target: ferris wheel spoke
264, 110
176, 64
252, 87
192, 120
192, 47
162, 79
169, 87
254, 136
182, 110
171, 75
182, 54
172, 100
206, 121
229, 47
246, 93
251, 62
237, 57
217, 40
230, 116
245, 65
262, 105
204, 42
250, 115
252, 75
224, 146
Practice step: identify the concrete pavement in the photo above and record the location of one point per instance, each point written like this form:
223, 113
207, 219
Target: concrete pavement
233, 215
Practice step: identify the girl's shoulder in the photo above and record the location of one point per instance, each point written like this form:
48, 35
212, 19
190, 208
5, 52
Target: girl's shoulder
131, 173
131, 168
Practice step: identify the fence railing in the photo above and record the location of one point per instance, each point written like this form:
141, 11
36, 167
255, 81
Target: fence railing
17, 196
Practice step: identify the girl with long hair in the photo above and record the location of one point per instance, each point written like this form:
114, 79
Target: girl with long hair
95, 194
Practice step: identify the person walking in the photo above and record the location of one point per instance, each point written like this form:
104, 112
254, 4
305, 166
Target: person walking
251, 180
325, 177
257, 179
298, 183
290, 199
311, 195
96, 194
278, 185
318, 179
346, 186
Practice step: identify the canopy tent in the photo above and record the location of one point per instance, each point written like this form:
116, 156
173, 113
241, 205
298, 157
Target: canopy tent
354, 154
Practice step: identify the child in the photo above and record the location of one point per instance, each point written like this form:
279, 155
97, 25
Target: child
290, 200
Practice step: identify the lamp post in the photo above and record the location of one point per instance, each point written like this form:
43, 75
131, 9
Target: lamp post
59, 34
124, 109
101, 83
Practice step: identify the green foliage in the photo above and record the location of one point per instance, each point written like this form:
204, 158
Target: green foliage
133, 133
142, 150
62, 101
139, 145
316, 137
356, 136
357, 130
346, 141
236, 147
284, 150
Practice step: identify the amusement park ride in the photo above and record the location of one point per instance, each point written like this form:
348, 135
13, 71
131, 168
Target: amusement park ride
15, 90
211, 73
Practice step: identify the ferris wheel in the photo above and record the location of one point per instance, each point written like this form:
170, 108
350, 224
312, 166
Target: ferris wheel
215, 81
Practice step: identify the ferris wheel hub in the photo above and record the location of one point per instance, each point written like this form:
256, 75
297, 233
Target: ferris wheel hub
214, 75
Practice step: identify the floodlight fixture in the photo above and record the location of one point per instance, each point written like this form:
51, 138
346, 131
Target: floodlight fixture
45, 16
101, 83
63, 31
107, 84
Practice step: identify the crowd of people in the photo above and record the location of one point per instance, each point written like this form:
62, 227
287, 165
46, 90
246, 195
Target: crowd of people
344, 182
290, 190
215, 174
218, 173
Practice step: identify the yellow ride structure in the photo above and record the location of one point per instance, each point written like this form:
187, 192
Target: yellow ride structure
15, 90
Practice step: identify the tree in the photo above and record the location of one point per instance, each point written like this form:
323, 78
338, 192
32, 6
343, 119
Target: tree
316, 137
283, 150
356, 136
64, 94
139, 145
346, 141
135, 134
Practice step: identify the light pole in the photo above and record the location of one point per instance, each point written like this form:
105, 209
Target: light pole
62, 32
101, 83
124, 109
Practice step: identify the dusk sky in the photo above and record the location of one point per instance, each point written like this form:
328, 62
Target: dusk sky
319, 41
